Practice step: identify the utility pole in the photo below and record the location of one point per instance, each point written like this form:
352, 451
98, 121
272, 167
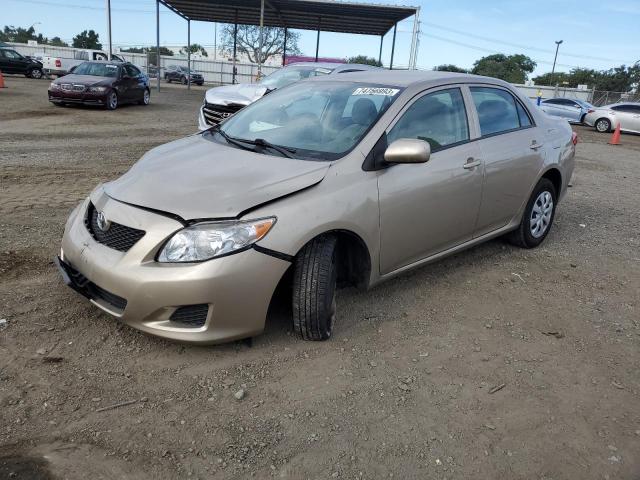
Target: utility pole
553, 70
109, 29
261, 39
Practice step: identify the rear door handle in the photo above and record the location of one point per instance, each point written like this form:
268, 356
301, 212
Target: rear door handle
534, 145
471, 163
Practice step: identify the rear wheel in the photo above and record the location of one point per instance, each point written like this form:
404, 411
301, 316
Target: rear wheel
35, 73
538, 216
184, 80
603, 125
314, 288
146, 97
112, 101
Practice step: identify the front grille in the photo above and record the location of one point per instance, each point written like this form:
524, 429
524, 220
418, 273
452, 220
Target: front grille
112, 299
214, 113
75, 87
191, 315
116, 236
93, 291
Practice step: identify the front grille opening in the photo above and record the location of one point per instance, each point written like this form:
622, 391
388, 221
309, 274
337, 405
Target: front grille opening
117, 236
214, 113
191, 316
95, 292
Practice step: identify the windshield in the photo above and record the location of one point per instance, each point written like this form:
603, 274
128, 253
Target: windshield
97, 69
288, 75
319, 120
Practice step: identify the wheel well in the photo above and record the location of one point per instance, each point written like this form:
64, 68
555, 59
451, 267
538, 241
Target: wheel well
555, 177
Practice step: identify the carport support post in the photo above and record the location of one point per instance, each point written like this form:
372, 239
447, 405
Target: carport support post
235, 43
261, 39
158, 42
109, 29
318, 40
380, 54
284, 48
188, 54
393, 46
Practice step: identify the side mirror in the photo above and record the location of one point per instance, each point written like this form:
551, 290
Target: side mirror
408, 150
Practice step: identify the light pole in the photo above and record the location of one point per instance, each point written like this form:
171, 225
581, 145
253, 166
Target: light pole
553, 70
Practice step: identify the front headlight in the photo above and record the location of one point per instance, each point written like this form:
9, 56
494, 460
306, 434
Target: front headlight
54, 86
97, 89
207, 240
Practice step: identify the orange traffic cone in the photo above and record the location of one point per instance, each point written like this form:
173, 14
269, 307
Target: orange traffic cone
615, 138
2, 85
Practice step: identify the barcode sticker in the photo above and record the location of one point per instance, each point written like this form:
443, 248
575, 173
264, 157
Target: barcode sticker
387, 92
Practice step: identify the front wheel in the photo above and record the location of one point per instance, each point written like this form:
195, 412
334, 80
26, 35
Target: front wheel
603, 125
314, 289
184, 80
538, 216
112, 101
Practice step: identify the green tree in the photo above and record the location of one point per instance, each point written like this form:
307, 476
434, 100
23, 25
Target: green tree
510, 68
57, 42
87, 39
450, 68
364, 60
248, 41
195, 48
152, 57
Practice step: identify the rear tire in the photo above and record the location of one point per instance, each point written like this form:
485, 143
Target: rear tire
603, 125
538, 216
146, 97
35, 73
184, 80
314, 288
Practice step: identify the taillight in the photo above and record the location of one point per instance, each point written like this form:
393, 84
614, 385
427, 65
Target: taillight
58, 63
574, 138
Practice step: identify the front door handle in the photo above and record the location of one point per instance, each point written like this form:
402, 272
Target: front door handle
535, 145
471, 163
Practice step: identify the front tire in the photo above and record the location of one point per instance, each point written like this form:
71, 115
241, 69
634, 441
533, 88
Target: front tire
314, 288
538, 216
35, 73
603, 125
184, 80
112, 101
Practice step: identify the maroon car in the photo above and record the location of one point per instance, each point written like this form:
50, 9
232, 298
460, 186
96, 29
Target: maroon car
107, 84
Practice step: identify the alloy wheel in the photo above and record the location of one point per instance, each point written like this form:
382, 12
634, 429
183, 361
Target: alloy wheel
36, 73
603, 126
113, 100
146, 97
541, 214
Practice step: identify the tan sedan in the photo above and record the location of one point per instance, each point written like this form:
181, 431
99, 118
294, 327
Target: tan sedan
347, 179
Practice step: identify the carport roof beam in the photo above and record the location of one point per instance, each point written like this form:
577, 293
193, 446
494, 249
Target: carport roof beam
344, 17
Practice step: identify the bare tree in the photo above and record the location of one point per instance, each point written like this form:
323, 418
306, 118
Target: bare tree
248, 42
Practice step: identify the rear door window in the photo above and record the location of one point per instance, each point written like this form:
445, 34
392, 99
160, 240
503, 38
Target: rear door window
498, 111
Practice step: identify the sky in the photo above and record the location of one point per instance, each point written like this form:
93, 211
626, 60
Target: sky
457, 32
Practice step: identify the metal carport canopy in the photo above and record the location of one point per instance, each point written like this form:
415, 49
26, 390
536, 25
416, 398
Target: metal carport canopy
328, 16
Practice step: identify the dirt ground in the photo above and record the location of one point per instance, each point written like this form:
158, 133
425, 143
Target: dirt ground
405, 389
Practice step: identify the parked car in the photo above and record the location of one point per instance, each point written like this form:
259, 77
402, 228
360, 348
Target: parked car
572, 110
606, 118
107, 84
340, 179
177, 73
222, 102
12, 62
60, 66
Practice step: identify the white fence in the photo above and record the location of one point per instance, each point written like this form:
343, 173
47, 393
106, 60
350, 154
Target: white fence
217, 72
554, 92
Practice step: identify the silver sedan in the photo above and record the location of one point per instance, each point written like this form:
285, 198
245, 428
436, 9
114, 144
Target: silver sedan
606, 118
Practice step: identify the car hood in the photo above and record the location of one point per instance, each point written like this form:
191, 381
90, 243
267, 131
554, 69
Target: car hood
84, 79
197, 178
242, 93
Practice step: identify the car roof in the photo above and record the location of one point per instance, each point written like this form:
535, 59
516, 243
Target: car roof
405, 78
333, 66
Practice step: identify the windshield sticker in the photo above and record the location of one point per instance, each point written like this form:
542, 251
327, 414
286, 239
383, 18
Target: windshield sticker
387, 92
326, 71
111, 66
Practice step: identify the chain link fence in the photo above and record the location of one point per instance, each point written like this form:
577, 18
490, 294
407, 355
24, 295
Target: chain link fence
216, 72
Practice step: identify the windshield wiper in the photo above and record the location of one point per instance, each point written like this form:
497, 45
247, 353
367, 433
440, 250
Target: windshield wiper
238, 142
286, 151
259, 142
